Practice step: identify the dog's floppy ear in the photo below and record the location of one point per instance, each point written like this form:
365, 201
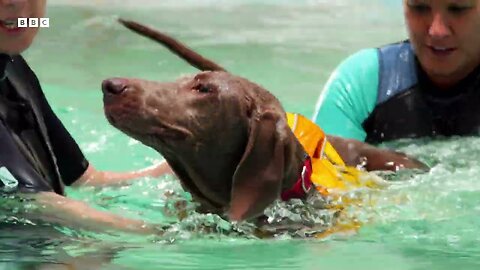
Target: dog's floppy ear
258, 179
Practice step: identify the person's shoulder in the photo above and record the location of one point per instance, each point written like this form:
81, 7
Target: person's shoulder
361, 60
18, 60
397, 46
355, 70
367, 59
364, 69
365, 53
21, 66
349, 95
24, 70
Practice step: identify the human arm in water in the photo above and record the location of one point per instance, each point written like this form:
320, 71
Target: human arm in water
53, 208
93, 177
372, 158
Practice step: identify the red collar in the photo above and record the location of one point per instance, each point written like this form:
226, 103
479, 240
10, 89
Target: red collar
303, 185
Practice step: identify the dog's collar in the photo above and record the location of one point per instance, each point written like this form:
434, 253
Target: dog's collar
303, 185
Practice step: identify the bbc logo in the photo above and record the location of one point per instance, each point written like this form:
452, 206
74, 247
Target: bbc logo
33, 22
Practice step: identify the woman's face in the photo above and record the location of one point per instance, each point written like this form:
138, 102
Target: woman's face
446, 37
14, 40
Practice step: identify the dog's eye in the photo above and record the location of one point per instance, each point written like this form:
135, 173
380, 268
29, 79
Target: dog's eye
203, 88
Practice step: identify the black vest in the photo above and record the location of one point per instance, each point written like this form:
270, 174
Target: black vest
409, 106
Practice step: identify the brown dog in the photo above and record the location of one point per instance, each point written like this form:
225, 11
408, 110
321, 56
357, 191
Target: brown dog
226, 138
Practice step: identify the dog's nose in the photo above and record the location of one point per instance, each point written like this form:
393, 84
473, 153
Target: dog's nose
114, 86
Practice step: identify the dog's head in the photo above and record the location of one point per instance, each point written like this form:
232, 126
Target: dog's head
226, 138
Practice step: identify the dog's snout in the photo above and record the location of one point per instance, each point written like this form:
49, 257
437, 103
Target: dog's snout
114, 86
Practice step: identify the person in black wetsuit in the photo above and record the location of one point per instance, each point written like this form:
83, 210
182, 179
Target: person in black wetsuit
427, 86
38, 156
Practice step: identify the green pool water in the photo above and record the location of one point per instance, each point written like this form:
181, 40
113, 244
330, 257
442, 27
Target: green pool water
426, 221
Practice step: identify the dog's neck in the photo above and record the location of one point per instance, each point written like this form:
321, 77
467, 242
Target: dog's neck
295, 166
197, 174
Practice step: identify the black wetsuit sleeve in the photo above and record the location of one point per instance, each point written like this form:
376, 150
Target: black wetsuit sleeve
70, 159
16, 173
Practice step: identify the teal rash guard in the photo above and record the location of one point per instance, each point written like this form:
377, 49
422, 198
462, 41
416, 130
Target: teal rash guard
349, 96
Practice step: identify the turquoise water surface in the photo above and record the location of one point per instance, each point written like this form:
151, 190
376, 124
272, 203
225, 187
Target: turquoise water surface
426, 221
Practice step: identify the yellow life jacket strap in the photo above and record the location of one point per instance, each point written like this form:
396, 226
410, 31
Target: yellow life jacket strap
329, 170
